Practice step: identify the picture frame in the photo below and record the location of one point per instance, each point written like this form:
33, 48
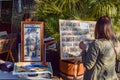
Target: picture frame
32, 41
71, 33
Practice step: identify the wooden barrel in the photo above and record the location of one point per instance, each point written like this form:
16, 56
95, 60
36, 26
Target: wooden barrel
70, 69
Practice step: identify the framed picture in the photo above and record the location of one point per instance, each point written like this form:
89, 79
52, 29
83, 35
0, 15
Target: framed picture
71, 33
32, 41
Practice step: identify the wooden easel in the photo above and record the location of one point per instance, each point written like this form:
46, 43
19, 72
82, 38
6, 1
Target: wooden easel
6, 46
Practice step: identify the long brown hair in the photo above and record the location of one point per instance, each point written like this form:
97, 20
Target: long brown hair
27, 16
104, 29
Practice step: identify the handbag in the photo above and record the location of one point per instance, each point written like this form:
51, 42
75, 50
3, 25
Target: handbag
117, 65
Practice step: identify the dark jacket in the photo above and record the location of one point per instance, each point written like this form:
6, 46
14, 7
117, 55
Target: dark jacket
99, 61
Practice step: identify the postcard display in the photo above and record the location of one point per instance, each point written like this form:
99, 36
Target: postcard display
32, 48
71, 33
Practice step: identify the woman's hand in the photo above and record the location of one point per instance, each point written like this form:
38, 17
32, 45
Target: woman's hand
82, 45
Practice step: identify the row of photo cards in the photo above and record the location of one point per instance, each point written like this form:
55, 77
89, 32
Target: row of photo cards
71, 33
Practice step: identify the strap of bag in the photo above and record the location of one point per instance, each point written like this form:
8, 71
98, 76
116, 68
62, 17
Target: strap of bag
117, 63
114, 50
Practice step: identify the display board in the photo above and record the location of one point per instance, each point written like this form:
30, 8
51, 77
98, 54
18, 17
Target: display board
71, 33
32, 41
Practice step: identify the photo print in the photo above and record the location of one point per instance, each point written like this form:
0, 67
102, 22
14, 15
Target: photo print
32, 36
32, 41
66, 44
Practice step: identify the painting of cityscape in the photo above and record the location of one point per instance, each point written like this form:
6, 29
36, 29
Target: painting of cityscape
32, 42
71, 33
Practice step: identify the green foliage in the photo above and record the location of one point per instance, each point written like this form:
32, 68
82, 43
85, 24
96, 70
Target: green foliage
117, 27
50, 11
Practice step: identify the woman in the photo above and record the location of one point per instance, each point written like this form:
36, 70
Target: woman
27, 17
99, 60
